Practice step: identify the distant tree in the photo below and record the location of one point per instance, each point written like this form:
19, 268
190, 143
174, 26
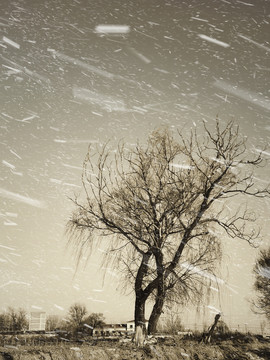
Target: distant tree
161, 208
76, 316
17, 319
4, 322
53, 322
172, 324
262, 283
95, 320
263, 326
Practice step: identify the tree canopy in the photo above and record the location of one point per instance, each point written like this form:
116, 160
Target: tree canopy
13, 320
76, 315
95, 320
161, 207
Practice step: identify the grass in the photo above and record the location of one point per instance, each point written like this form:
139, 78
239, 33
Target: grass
232, 346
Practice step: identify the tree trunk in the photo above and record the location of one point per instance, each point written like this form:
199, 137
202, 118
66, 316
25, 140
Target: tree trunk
160, 296
140, 301
140, 330
141, 297
139, 310
155, 314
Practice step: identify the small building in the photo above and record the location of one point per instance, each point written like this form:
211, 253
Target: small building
37, 321
110, 330
131, 325
116, 329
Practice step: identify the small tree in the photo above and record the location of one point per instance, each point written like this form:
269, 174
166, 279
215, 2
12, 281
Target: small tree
263, 326
4, 322
160, 207
17, 319
172, 324
262, 283
76, 316
53, 322
95, 320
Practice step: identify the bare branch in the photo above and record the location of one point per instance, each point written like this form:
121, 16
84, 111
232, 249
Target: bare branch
158, 205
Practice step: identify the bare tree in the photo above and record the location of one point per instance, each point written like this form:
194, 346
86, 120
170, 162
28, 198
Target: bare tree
76, 315
262, 283
263, 326
53, 322
4, 322
95, 320
159, 208
17, 319
172, 324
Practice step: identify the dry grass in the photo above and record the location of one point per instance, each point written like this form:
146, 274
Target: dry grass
237, 348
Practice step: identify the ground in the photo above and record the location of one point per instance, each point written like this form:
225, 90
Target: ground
174, 348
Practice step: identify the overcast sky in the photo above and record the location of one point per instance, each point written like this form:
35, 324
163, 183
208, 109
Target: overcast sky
68, 81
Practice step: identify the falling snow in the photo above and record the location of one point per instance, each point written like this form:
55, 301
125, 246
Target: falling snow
214, 41
78, 74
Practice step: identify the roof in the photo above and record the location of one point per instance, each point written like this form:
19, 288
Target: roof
134, 321
110, 326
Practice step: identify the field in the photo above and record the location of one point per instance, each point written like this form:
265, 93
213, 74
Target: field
171, 348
